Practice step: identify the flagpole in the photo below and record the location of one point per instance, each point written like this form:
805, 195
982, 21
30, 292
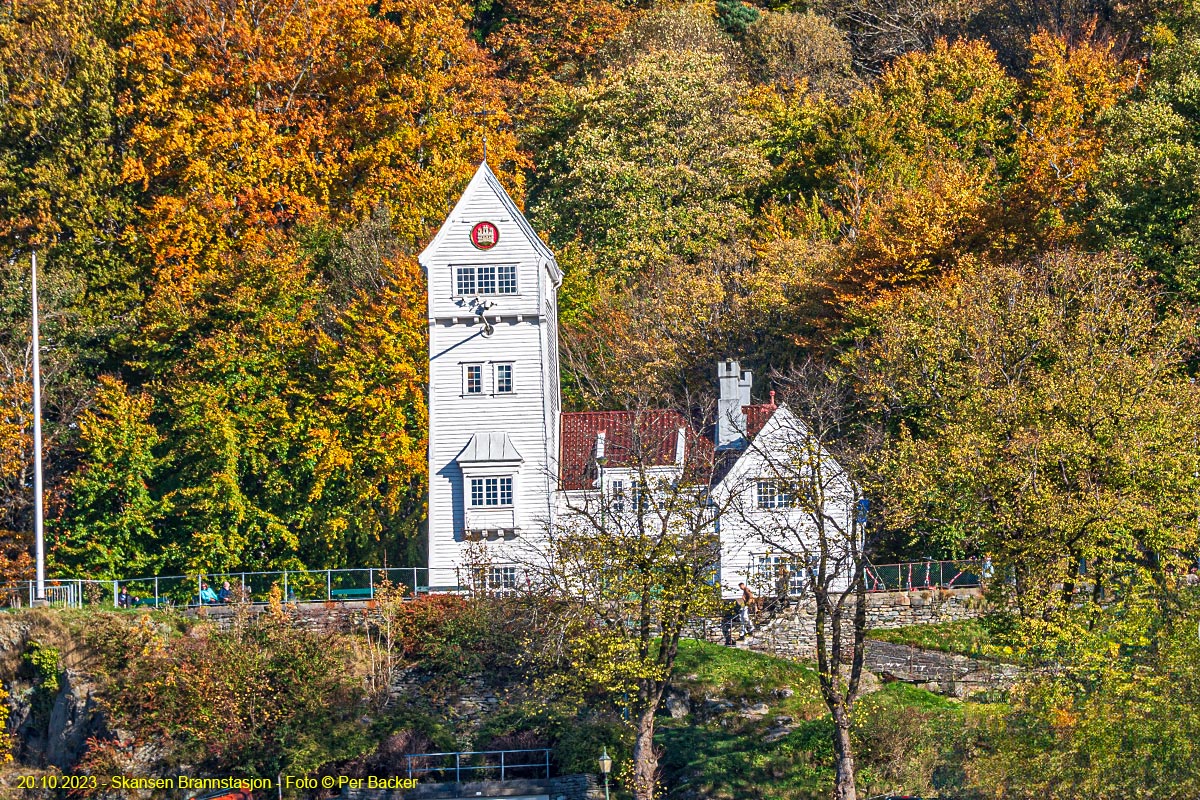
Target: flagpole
39, 539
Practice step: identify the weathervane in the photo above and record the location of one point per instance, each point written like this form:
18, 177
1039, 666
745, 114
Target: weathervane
484, 113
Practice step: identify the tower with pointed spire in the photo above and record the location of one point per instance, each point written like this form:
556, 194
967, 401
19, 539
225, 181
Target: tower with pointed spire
494, 403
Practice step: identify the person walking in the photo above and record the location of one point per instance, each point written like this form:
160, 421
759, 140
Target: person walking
746, 602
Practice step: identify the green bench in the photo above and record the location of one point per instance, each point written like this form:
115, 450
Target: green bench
367, 593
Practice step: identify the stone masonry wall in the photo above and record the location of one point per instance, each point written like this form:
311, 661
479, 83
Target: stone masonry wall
792, 632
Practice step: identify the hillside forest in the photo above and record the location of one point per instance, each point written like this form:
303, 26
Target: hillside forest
983, 216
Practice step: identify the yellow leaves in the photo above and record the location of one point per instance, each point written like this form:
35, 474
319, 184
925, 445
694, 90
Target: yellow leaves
6, 756
1060, 140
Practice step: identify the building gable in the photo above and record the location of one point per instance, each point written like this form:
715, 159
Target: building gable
485, 200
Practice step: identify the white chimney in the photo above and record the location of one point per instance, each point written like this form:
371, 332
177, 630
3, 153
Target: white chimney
734, 386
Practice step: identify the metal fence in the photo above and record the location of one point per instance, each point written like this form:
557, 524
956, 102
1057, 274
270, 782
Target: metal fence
766, 574
219, 588
480, 765
924, 575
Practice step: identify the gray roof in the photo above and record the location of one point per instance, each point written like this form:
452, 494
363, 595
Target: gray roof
485, 447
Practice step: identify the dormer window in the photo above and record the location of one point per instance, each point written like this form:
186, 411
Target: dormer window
488, 279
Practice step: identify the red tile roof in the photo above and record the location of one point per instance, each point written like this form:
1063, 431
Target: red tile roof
631, 437
757, 416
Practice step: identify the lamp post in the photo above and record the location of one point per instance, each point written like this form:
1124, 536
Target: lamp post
39, 539
605, 767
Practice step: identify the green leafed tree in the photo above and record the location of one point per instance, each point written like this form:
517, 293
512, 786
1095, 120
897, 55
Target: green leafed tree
1042, 415
113, 522
1147, 186
1116, 715
658, 158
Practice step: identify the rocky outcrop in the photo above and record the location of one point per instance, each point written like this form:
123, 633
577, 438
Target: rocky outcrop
54, 731
944, 673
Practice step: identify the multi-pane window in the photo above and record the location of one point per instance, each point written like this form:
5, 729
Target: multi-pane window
640, 495
485, 280
769, 495
618, 499
473, 379
488, 279
506, 280
778, 575
502, 578
465, 282
504, 378
491, 492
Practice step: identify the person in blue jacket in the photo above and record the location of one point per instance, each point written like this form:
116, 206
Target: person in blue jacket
207, 595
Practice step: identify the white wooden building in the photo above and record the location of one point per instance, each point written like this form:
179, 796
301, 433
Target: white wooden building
505, 461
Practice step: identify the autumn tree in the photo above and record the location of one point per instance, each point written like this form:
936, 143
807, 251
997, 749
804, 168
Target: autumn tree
1114, 715
1041, 414
286, 163
627, 567
811, 457
60, 194
792, 49
560, 40
1147, 185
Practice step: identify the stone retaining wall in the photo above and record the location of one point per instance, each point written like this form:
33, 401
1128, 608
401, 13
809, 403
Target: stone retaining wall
792, 632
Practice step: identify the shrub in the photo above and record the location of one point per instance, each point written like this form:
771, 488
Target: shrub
264, 696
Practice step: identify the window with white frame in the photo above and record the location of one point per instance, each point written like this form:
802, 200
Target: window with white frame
502, 578
504, 378
639, 494
491, 492
769, 495
464, 283
485, 279
778, 574
506, 280
473, 379
618, 496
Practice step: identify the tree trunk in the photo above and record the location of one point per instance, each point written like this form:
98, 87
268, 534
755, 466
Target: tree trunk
843, 754
645, 760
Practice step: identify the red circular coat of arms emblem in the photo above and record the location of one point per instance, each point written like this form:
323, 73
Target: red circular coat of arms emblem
485, 235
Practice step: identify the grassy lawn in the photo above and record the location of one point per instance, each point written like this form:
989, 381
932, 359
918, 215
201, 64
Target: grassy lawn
969, 637
908, 739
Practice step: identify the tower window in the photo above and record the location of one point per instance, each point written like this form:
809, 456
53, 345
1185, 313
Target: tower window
473, 379
506, 280
504, 378
487, 279
466, 280
487, 492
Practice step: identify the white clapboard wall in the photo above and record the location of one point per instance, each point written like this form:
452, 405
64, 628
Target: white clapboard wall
490, 434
